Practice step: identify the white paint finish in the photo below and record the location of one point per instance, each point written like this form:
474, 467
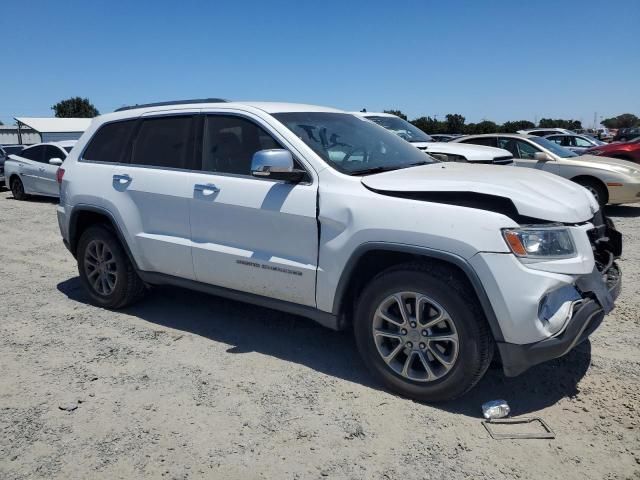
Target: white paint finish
515, 292
535, 194
605, 169
254, 235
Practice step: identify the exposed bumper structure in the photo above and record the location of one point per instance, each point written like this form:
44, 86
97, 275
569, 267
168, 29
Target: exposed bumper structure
587, 317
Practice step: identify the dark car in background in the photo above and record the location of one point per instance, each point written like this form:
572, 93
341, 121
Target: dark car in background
623, 150
626, 134
5, 151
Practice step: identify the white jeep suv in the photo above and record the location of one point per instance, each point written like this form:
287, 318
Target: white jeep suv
436, 266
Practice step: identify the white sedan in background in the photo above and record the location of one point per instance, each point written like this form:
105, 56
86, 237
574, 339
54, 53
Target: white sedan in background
33, 170
446, 151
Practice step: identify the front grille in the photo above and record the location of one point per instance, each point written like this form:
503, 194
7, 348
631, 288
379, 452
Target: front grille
605, 240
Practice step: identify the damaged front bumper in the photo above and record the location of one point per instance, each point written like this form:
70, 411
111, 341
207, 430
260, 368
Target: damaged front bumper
598, 292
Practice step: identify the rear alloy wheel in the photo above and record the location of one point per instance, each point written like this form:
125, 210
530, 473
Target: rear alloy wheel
17, 189
105, 269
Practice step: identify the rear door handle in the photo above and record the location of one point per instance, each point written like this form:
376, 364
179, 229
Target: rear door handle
206, 189
122, 178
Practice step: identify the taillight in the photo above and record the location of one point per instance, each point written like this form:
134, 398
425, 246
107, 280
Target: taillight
59, 175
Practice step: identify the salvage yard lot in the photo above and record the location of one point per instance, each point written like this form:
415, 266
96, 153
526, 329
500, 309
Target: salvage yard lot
185, 385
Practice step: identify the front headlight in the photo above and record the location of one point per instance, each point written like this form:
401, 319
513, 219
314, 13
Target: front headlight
540, 242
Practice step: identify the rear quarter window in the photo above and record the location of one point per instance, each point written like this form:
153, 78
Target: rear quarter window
109, 142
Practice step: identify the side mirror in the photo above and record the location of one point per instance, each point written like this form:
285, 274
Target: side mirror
55, 161
276, 164
542, 157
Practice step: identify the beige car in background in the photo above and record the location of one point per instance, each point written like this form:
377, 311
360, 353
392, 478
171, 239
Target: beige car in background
610, 180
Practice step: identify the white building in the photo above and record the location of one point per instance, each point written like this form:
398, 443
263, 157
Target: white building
52, 129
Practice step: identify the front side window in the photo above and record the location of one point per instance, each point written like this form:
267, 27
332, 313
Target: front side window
351, 144
519, 148
581, 142
108, 144
229, 143
553, 147
402, 128
164, 142
53, 152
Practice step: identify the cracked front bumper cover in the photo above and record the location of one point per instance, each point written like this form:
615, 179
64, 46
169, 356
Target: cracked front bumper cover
599, 295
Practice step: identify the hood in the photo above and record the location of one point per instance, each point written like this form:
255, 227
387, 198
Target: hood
533, 193
469, 151
620, 166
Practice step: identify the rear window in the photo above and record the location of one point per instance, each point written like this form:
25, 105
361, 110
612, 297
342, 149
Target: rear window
108, 144
164, 142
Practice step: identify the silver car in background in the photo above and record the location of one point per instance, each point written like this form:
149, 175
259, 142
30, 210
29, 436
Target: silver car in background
33, 170
574, 142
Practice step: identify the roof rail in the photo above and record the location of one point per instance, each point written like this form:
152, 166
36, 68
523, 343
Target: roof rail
173, 102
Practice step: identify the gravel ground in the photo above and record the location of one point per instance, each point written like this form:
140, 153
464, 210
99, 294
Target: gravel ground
185, 385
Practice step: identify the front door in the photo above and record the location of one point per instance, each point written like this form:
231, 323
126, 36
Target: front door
524, 153
251, 234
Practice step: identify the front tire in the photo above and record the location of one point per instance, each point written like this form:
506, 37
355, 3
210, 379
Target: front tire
420, 333
598, 190
17, 189
106, 270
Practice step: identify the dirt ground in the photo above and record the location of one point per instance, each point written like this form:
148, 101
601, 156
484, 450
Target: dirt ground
185, 385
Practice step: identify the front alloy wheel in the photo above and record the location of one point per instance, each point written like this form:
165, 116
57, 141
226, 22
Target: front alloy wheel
415, 336
100, 267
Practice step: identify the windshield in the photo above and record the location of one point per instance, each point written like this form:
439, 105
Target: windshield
553, 147
402, 128
351, 144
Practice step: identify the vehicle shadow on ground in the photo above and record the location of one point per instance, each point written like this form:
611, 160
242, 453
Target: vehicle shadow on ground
295, 339
626, 211
36, 199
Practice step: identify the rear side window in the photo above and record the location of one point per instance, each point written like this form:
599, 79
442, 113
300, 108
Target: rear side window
34, 153
164, 142
109, 143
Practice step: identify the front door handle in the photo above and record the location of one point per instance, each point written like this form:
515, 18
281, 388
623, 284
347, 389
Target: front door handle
122, 179
206, 189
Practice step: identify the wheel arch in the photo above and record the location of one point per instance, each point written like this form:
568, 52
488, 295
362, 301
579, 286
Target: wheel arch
371, 258
85, 216
594, 179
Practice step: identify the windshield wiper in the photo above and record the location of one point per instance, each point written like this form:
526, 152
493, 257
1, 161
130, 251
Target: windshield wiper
380, 169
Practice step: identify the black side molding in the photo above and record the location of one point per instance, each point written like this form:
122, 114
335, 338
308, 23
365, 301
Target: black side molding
447, 257
325, 319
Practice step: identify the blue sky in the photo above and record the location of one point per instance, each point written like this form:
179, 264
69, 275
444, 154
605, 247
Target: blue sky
496, 60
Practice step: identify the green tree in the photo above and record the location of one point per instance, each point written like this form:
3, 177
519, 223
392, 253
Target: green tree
625, 120
559, 123
455, 123
513, 127
486, 126
397, 113
429, 125
75, 107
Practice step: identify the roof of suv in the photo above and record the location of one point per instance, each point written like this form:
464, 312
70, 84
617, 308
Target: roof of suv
269, 107
509, 135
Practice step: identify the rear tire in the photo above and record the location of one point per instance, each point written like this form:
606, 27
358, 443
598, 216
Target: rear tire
105, 269
598, 190
416, 357
17, 189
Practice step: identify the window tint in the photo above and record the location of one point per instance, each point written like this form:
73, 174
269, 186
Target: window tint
518, 148
33, 153
488, 141
164, 142
557, 139
229, 144
108, 144
581, 142
53, 152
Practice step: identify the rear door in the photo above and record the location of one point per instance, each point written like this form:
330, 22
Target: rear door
251, 234
152, 189
28, 167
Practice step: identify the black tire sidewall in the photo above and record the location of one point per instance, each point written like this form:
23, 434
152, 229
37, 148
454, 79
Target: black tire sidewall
20, 195
120, 292
602, 191
462, 375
